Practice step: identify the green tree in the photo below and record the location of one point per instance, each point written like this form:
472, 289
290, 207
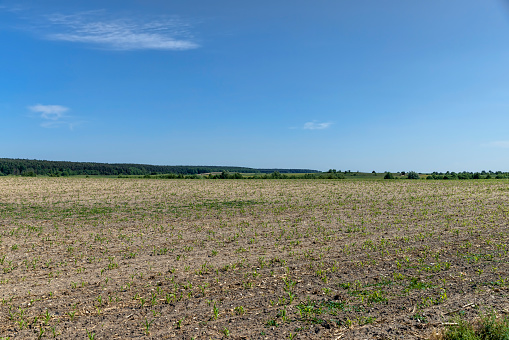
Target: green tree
413, 175
225, 174
388, 175
276, 175
29, 173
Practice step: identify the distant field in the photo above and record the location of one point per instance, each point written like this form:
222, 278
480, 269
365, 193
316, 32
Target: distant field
114, 258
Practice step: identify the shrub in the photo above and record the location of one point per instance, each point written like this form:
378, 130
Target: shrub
333, 175
225, 174
488, 328
388, 175
28, 173
276, 175
413, 175
168, 176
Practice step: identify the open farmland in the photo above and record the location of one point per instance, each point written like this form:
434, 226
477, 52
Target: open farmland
255, 259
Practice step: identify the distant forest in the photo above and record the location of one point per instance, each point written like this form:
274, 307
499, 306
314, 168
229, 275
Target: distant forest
28, 167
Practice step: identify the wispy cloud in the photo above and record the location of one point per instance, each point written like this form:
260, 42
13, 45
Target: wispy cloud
498, 144
96, 28
120, 34
12, 8
51, 112
54, 116
101, 29
316, 126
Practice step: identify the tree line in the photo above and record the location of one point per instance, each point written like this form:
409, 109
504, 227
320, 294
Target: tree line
237, 175
469, 175
451, 175
28, 167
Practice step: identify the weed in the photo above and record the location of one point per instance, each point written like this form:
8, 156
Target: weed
488, 328
146, 325
239, 310
90, 335
215, 311
226, 332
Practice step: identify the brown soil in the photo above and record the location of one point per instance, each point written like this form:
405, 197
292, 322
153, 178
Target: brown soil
249, 259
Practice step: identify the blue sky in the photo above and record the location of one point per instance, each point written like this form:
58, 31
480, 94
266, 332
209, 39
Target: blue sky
360, 85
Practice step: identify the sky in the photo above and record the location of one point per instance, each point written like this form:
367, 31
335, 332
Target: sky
362, 85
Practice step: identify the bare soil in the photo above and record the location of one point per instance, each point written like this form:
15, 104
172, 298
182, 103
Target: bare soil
249, 259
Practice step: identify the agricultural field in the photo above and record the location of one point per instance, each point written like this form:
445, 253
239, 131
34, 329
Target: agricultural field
104, 258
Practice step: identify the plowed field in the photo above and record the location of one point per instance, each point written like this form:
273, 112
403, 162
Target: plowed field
249, 259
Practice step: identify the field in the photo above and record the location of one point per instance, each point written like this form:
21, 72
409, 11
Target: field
249, 259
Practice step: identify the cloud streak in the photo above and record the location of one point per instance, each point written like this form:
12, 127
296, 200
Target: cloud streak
53, 116
498, 144
316, 126
51, 112
99, 29
13, 9
120, 34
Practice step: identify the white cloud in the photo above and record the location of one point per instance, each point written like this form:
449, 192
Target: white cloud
54, 116
13, 8
120, 34
56, 124
100, 29
498, 144
51, 112
316, 125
